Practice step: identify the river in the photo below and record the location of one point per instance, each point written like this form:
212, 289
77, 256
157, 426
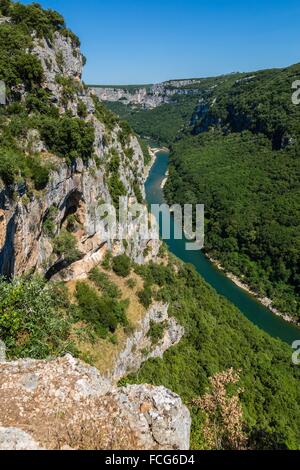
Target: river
247, 304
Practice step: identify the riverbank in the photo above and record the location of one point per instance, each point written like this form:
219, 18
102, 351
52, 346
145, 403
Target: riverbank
164, 181
153, 151
265, 301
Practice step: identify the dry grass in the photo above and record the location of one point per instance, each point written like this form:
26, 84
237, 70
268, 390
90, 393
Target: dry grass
103, 353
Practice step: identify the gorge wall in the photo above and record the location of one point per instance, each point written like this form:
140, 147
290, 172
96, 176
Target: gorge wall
146, 97
76, 189
63, 403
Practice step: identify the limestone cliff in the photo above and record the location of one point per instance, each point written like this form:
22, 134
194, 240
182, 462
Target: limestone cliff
148, 97
64, 404
76, 189
139, 346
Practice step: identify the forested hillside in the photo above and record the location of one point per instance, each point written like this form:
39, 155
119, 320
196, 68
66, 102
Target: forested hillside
219, 337
242, 162
235, 147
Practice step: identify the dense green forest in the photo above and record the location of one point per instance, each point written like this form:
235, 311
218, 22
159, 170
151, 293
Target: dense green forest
161, 124
165, 123
242, 162
219, 337
235, 147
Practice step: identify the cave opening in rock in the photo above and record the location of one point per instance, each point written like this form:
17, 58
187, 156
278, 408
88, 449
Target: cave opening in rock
73, 205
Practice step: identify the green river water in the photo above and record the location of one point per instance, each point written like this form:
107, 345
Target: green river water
248, 305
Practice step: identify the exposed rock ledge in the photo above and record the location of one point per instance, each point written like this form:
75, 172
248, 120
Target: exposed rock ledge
139, 347
65, 404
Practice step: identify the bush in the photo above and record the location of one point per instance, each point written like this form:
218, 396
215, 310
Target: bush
121, 265
102, 281
32, 323
131, 283
103, 313
49, 225
65, 246
145, 296
67, 137
156, 332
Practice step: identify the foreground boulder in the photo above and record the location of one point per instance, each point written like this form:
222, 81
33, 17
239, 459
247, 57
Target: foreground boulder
65, 404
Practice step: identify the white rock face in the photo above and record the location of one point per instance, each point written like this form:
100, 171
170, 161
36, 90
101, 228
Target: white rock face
78, 189
148, 97
139, 347
65, 404
15, 439
58, 58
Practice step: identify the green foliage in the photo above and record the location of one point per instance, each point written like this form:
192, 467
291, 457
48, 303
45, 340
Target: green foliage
49, 225
156, 332
102, 281
252, 207
67, 137
15, 166
65, 246
114, 162
82, 109
106, 263
131, 283
103, 313
32, 321
161, 124
116, 189
22, 71
144, 147
218, 337
105, 115
70, 88
145, 296
138, 192
33, 17
121, 265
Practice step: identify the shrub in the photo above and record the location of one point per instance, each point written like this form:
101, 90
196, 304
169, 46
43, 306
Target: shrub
116, 189
145, 296
102, 281
121, 265
65, 246
156, 332
82, 109
49, 225
107, 261
131, 283
32, 323
67, 137
103, 313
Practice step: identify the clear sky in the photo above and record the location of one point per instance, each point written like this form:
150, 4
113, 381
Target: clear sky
148, 41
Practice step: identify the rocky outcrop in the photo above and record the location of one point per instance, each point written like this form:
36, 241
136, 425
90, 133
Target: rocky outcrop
64, 404
139, 346
76, 190
141, 97
149, 97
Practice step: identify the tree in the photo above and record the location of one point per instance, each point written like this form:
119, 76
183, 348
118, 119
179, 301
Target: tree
121, 265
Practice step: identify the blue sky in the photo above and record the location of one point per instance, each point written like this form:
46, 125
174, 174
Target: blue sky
143, 41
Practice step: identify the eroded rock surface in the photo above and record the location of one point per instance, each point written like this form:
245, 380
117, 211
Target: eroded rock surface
139, 346
64, 404
78, 189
